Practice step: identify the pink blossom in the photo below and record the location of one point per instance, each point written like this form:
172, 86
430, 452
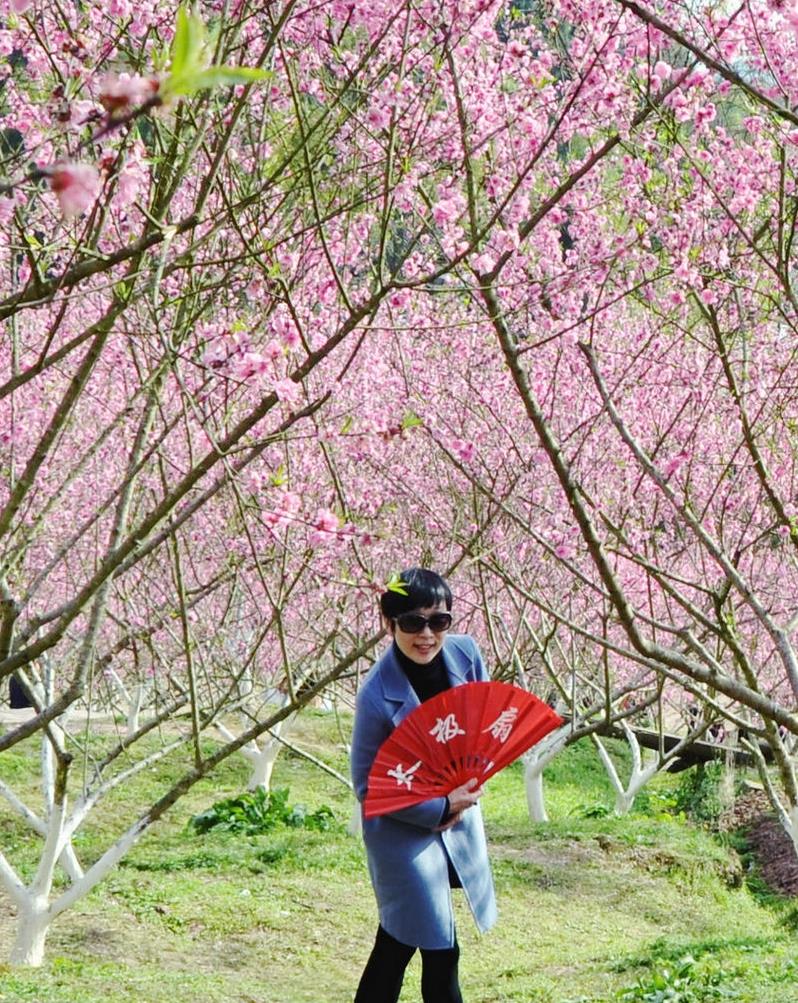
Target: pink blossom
288, 392
446, 210
273, 350
285, 329
76, 187
252, 364
675, 462
20, 6
325, 526
6, 208
379, 118
215, 356
465, 451
662, 70
705, 114
118, 93
138, 27
484, 262
131, 179
287, 507
492, 186
291, 337
682, 113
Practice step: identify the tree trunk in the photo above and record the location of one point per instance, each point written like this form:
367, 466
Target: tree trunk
33, 924
70, 863
536, 762
792, 831
262, 766
134, 709
355, 826
534, 792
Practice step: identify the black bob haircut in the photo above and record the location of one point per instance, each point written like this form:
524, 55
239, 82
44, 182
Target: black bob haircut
421, 587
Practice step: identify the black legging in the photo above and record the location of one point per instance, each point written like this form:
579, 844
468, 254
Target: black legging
385, 970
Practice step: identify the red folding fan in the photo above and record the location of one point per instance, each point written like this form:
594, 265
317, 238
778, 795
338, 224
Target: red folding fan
467, 731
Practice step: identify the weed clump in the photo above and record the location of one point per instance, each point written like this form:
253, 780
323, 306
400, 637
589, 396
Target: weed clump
700, 794
259, 811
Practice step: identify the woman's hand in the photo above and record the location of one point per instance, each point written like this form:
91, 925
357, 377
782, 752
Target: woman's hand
451, 821
465, 796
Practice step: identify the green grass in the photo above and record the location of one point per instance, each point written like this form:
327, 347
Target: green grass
589, 906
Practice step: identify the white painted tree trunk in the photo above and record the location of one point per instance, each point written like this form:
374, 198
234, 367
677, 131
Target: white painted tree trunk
35, 910
625, 799
792, 828
70, 863
134, 709
33, 907
536, 763
535, 800
639, 777
355, 826
787, 814
260, 757
33, 923
262, 761
67, 859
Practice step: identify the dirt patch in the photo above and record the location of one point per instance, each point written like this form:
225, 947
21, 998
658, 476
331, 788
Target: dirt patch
549, 855
770, 845
775, 855
747, 809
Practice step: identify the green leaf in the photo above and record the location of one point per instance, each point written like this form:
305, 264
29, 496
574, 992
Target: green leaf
222, 76
213, 76
188, 43
395, 584
410, 420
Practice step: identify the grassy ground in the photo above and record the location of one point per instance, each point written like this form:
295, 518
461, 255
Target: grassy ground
591, 906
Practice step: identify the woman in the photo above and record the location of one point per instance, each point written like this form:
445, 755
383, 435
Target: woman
416, 855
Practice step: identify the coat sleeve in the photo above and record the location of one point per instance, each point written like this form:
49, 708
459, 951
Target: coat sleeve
372, 727
475, 669
481, 673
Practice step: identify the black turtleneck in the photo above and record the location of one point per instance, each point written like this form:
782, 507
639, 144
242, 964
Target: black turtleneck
427, 680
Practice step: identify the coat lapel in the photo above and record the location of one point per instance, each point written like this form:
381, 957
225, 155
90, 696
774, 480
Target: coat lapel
455, 667
396, 686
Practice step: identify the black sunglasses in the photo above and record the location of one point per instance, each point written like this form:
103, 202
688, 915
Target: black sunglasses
414, 623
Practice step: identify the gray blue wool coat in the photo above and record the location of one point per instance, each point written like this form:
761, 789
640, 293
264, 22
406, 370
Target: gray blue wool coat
408, 861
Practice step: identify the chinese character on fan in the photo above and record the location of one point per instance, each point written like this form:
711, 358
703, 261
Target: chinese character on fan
404, 776
503, 724
446, 729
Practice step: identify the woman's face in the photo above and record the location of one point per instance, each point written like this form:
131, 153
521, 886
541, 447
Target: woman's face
425, 645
